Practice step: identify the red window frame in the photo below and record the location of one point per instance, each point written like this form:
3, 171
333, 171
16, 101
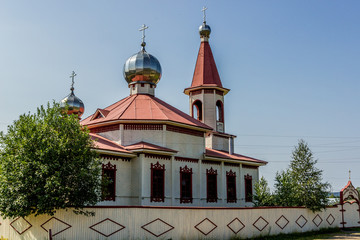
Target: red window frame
248, 188
186, 185
109, 170
157, 182
211, 185
231, 186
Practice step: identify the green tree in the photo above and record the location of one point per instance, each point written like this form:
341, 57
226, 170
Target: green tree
309, 189
262, 194
46, 164
284, 189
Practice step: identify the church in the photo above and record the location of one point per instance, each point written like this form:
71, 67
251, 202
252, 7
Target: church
156, 155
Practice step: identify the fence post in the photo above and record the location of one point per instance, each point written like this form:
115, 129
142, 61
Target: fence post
50, 235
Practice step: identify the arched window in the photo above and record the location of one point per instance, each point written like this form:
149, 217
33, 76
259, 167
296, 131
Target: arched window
197, 110
219, 111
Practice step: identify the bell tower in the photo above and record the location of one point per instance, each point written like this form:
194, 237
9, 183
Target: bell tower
206, 94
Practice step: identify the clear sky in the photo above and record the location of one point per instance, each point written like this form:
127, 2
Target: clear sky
293, 67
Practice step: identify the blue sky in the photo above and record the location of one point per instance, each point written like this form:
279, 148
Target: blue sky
292, 67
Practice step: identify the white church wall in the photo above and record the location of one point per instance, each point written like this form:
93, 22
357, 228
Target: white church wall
135, 136
220, 143
112, 135
170, 223
187, 145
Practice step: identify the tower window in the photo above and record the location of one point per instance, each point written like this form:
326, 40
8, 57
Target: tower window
231, 186
197, 110
157, 182
248, 188
186, 185
109, 181
211, 185
219, 111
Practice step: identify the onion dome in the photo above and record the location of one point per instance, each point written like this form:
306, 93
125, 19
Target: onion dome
204, 30
142, 66
74, 104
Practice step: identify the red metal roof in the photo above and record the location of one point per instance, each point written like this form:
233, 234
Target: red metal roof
106, 144
206, 73
148, 146
144, 107
221, 154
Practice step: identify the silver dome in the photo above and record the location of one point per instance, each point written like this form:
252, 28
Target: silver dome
204, 30
74, 104
142, 67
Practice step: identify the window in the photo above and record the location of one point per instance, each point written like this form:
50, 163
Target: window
231, 186
157, 182
219, 111
211, 182
248, 188
186, 185
109, 180
197, 110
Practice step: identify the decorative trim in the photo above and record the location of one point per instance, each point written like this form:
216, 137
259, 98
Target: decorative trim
207, 91
196, 92
249, 166
140, 126
218, 92
301, 226
156, 156
157, 235
235, 219
184, 159
282, 227
109, 166
260, 229
321, 220
231, 164
54, 234
331, 221
115, 158
206, 219
171, 128
231, 173
185, 171
20, 233
108, 128
211, 162
107, 219
157, 167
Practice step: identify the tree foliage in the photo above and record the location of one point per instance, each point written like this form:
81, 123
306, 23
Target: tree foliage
46, 163
262, 194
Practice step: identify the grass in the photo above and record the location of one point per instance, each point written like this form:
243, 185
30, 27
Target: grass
321, 234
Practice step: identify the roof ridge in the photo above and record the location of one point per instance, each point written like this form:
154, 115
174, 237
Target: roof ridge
135, 96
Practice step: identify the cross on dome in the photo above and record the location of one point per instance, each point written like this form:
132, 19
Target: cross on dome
349, 175
72, 76
204, 12
142, 29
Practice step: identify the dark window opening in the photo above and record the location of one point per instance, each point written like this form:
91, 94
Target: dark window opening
231, 186
157, 182
219, 111
197, 110
248, 188
109, 182
186, 185
211, 185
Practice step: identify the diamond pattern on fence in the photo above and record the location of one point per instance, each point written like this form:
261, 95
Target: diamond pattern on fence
20, 225
260, 224
205, 226
56, 225
282, 222
236, 225
330, 219
107, 227
301, 221
157, 227
317, 220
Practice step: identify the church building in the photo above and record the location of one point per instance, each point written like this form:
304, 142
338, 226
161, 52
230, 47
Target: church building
156, 155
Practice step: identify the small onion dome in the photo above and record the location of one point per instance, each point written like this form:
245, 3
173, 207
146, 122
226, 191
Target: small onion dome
142, 67
204, 30
73, 103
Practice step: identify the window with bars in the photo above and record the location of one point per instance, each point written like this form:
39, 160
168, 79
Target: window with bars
248, 188
157, 182
231, 186
211, 185
186, 185
109, 181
